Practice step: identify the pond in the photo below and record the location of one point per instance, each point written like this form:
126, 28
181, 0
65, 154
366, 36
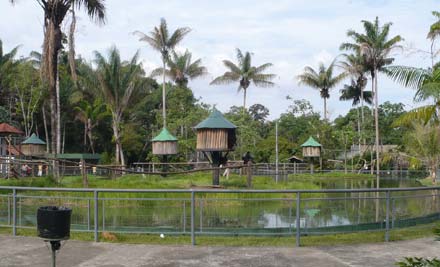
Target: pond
248, 214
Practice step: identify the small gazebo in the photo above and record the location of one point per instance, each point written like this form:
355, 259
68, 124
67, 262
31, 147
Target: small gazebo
311, 149
216, 136
164, 144
33, 146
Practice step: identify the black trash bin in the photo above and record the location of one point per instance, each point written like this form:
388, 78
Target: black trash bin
53, 223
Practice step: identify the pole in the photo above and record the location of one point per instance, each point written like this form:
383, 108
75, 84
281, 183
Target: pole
276, 152
387, 219
95, 221
193, 211
54, 258
88, 214
14, 212
298, 214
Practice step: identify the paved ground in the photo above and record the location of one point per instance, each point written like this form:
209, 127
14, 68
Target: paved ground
26, 251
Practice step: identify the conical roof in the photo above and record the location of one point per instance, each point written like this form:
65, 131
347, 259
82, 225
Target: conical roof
164, 136
215, 120
33, 140
311, 142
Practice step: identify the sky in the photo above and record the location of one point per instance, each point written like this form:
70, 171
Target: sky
290, 34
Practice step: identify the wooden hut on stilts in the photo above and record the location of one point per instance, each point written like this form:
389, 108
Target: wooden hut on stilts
215, 138
164, 144
311, 149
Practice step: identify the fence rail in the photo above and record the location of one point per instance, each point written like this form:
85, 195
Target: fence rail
196, 212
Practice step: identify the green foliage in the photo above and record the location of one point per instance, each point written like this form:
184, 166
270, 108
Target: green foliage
419, 262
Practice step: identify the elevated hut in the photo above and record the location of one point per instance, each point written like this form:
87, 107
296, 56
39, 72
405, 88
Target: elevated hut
10, 139
311, 149
216, 136
164, 144
33, 146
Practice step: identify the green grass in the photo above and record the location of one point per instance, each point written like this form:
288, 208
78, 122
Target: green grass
331, 176
319, 240
427, 182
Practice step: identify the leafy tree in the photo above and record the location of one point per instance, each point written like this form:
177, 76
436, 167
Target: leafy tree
375, 46
162, 41
7, 69
323, 80
245, 74
181, 68
120, 85
434, 34
259, 112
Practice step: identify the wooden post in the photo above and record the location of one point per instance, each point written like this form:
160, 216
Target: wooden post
249, 174
84, 173
215, 156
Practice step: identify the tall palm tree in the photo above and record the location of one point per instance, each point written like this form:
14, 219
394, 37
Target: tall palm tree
323, 80
375, 46
355, 92
119, 83
433, 34
90, 114
245, 74
54, 13
181, 69
7, 65
427, 85
162, 41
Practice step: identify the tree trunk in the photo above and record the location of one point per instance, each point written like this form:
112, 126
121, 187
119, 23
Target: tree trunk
85, 137
325, 109
244, 99
58, 113
46, 132
376, 123
164, 110
116, 135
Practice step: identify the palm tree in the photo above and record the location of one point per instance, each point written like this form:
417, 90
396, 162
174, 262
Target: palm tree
433, 34
427, 84
245, 74
90, 114
323, 80
7, 65
181, 69
161, 41
355, 93
375, 46
119, 82
54, 13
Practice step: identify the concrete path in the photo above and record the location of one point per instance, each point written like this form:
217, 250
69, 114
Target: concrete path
27, 251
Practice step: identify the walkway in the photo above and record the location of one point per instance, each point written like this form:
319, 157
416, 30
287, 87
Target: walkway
26, 251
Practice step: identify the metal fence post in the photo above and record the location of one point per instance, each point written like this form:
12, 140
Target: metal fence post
14, 212
184, 216
298, 214
290, 216
201, 215
88, 214
95, 215
193, 211
103, 215
387, 219
9, 210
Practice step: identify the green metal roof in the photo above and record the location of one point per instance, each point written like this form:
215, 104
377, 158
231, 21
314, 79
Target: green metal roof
164, 136
215, 120
33, 140
311, 142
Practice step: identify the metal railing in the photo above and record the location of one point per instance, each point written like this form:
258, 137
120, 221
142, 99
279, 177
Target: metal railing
225, 212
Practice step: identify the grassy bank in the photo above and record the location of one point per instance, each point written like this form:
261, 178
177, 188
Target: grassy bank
321, 240
203, 180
